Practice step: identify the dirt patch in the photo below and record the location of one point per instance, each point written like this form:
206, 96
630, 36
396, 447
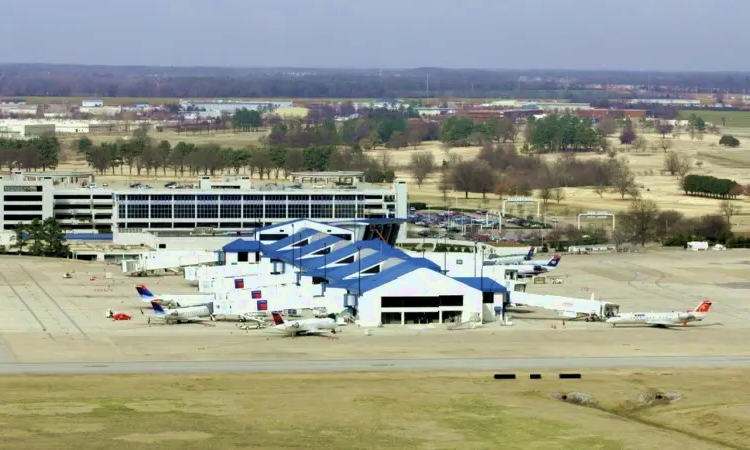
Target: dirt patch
71, 428
166, 436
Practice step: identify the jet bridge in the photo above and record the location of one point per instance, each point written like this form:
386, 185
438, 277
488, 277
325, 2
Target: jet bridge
566, 307
151, 261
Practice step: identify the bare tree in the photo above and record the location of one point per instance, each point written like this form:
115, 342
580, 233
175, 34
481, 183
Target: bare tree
600, 190
558, 194
484, 180
729, 210
398, 140
624, 180
675, 163
461, 176
640, 143
607, 126
639, 222
421, 165
386, 161
665, 144
445, 184
684, 165
545, 194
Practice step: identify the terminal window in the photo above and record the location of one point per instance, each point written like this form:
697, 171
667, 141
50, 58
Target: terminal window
253, 211
321, 211
345, 211
299, 211
161, 211
231, 211
184, 211
138, 211
208, 211
275, 211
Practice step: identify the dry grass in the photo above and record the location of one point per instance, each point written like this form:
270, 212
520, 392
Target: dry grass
376, 410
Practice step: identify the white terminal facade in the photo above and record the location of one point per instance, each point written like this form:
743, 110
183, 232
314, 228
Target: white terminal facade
232, 204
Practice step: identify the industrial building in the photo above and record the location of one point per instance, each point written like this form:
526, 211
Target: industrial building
232, 204
380, 284
219, 107
24, 129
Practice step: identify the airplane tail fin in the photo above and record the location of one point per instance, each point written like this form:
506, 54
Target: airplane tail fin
158, 310
530, 253
704, 306
555, 260
277, 320
144, 292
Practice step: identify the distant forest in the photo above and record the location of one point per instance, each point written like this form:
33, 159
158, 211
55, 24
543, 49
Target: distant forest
185, 82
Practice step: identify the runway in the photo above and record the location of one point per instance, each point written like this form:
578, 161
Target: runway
369, 365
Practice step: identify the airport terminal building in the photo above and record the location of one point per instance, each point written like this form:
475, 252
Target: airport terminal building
232, 204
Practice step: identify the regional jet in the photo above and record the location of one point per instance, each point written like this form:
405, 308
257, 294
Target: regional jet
172, 301
304, 326
197, 313
663, 319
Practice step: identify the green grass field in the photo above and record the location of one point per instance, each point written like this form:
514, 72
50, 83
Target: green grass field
734, 119
400, 410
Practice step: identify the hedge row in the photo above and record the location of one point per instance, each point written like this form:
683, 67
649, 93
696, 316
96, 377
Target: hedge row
708, 186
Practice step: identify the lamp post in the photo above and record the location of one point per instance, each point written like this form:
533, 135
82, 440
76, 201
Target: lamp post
475, 259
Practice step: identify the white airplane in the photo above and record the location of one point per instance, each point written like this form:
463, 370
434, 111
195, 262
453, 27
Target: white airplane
513, 259
172, 301
663, 319
303, 326
531, 268
198, 313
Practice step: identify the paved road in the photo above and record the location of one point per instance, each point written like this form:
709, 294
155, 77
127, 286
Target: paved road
343, 365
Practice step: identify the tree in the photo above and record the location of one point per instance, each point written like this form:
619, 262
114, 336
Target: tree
316, 158
49, 148
628, 135
729, 141
462, 175
21, 237
445, 183
278, 158
665, 144
664, 129
398, 140
245, 119
415, 132
600, 190
83, 145
262, 161
729, 210
713, 227
506, 129
456, 130
666, 222
639, 222
607, 126
484, 179
54, 238
624, 180
163, 150
640, 143
294, 161
545, 194
676, 163
558, 194
36, 236
421, 165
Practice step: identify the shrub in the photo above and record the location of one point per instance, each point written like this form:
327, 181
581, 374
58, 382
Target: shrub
729, 141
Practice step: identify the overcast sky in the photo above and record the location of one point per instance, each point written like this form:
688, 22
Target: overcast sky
514, 34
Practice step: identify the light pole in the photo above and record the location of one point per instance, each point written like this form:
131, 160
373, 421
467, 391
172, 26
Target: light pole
359, 272
475, 259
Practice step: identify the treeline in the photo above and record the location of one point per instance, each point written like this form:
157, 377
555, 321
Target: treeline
708, 186
41, 238
38, 153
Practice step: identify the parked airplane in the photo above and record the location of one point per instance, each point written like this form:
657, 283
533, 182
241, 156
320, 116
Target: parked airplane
196, 313
304, 326
536, 267
172, 301
663, 319
513, 259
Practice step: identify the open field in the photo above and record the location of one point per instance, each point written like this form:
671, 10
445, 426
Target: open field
734, 119
374, 410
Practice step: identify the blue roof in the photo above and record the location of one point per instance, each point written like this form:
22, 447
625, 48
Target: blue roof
341, 272
482, 284
348, 250
242, 245
290, 256
364, 284
304, 233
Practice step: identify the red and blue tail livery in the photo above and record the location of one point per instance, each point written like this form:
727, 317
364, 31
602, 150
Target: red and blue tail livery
158, 310
277, 320
144, 292
554, 261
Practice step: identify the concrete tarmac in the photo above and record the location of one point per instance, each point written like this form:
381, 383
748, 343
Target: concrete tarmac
356, 365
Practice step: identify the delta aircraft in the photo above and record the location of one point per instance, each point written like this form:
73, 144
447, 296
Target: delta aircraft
197, 313
663, 319
303, 326
171, 301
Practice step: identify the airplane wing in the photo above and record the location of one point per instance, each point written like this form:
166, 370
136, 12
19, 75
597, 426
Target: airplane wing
316, 331
660, 323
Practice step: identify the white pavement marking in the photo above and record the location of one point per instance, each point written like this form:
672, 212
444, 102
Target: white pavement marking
371, 365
